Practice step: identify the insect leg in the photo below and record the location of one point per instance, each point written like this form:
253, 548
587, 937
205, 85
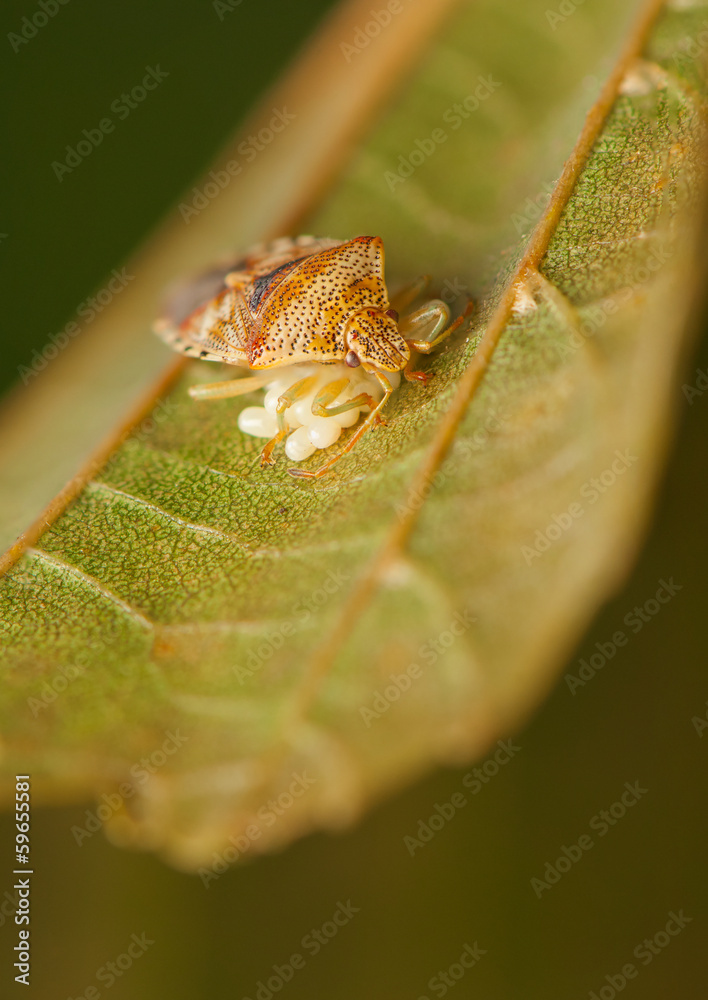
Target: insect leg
330, 392
231, 387
296, 391
409, 293
373, 418
430, 323
422, 327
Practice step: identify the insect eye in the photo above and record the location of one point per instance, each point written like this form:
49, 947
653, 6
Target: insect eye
393, 314
352, 360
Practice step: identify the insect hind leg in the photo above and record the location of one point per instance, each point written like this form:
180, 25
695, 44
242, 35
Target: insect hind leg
231, 387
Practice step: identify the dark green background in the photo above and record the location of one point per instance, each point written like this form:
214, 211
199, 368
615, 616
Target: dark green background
472, 882
64, 236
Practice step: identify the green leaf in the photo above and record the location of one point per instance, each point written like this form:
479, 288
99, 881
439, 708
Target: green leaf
236, 658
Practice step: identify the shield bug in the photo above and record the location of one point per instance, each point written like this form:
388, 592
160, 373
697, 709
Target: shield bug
311, 318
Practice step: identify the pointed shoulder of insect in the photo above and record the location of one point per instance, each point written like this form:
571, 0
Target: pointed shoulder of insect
342, 269
364, 253
327, 286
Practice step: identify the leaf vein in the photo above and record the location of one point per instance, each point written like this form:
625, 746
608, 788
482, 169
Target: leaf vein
192, 525
92, 582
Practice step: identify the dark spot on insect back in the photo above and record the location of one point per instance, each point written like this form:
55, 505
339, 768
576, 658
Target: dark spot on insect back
262, 284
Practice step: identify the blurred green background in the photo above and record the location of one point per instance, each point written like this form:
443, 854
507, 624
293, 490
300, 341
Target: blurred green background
471, 883
62, 237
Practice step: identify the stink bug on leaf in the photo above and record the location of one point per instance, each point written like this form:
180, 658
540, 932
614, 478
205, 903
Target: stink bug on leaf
313, 303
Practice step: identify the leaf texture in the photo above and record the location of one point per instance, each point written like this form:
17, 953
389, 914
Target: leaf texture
308, 647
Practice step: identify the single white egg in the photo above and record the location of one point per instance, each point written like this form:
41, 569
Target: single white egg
298, 446
302, 410
368, 384
323, 431
271, 397
256, 421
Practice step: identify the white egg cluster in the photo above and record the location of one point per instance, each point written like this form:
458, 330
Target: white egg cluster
308, 432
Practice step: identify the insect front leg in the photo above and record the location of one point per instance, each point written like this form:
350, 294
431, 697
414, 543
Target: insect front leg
326, 395
424, 329
296, 391
373, 418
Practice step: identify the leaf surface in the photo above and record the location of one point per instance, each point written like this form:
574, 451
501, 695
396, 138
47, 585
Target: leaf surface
249, 657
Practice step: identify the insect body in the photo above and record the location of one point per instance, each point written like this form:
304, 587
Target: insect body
304, 301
